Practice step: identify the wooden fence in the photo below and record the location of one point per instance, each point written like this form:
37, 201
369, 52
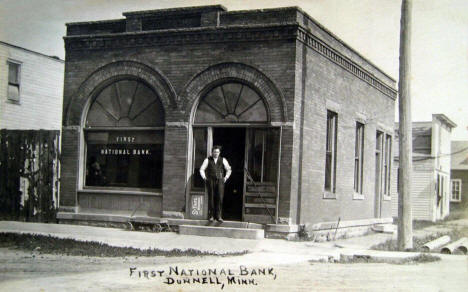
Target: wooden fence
29, 167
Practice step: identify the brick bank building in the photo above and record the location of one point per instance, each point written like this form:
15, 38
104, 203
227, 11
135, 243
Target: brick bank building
304, 120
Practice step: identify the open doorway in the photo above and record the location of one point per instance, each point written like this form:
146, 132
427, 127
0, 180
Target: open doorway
232, 141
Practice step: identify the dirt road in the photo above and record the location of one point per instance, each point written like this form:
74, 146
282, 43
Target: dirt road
262, 271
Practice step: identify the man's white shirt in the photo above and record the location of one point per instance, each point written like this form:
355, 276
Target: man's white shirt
204, 165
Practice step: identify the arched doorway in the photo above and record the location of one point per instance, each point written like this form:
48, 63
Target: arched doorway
236, 116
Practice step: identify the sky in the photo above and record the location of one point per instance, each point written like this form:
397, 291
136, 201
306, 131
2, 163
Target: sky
439, 42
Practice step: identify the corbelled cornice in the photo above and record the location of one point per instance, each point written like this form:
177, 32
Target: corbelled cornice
333, 55
181, 36
227, 34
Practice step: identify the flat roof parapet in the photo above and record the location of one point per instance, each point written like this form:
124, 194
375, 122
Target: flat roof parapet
193, 24
176, 11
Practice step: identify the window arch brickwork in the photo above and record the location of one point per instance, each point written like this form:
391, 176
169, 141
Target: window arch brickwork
232, 72
231, 102
102, 77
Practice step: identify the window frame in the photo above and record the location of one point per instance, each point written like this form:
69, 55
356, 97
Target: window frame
131, 130
195, 168
331, 138
387, 165
379, 153
459, 181
359, 161
19, 64
116, 129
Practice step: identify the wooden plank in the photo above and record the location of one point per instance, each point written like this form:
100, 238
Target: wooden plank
258, 200
262, 219
267, 189
264, 195
265, 183
260, 205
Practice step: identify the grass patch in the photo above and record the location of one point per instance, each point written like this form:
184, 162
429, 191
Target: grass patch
63, 246
419, 259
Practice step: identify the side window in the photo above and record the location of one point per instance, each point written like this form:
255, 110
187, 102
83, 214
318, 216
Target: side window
456, 190
330, 159
358, 157
387, 164
14, 71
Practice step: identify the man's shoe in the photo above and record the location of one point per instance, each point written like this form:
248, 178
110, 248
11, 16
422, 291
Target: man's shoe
211, 219
220, 220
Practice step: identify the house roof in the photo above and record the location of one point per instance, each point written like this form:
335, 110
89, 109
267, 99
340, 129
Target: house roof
31, 51
443, 118
459, 152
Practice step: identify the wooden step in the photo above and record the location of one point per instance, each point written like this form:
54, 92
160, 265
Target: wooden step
226, 223
218, 231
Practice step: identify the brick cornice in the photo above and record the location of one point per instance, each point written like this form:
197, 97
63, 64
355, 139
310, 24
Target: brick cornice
227, 34
333, 55
182, 36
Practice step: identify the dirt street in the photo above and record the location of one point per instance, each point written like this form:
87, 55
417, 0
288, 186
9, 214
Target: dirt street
261, 271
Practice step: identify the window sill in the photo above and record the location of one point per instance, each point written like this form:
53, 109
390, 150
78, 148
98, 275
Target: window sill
455, 201
329, 195
357, 196
104, 191
386, 198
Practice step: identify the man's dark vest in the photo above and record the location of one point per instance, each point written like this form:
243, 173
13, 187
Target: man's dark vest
215, 170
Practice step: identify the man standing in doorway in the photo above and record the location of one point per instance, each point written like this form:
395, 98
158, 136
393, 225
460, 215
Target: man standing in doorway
214, 178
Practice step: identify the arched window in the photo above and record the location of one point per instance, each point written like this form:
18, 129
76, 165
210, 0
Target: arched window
124, 132
231, 103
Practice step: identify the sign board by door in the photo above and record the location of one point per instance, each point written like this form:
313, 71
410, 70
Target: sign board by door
197, 206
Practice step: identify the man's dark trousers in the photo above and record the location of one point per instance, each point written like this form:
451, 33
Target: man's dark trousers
215, 188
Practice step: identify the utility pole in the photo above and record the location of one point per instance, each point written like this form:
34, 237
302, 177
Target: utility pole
405, 220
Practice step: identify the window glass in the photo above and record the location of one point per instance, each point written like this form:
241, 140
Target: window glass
199, 138
124, 159
330, 156
271, 155
456, 190
126, 103
256, 151
230, 103
263, 154
13, 73
13, 81
379, 162
387, 163
358, 157
130, 158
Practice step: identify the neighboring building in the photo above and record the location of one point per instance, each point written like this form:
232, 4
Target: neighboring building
31, 89
31, 97
302, 118
430, 198
459, 178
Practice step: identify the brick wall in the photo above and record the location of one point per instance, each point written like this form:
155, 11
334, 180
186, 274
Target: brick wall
175, 161
179, 66
327, 86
